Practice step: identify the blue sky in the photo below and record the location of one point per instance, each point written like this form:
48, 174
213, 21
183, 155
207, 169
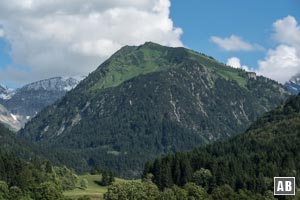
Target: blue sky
251, 20
65, 38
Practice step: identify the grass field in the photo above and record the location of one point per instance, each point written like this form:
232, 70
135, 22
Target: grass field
233, 76
93, 190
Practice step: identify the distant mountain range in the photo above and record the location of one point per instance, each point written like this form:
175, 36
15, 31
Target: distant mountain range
293, 85
20, 105
148, 100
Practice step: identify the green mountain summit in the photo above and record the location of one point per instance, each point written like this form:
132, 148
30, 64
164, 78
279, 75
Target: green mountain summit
149, 100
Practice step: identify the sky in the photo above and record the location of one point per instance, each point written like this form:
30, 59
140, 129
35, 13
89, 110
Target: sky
41, 39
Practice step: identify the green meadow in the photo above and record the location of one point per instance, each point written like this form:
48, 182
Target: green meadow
93, 190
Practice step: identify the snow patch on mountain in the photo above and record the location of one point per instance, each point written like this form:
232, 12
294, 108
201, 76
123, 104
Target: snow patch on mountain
53, 84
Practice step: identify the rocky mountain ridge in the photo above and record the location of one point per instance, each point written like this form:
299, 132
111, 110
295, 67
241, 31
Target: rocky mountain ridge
23, 103
293, 85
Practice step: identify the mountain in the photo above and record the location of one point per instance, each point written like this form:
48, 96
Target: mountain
6, 93
26, 102
269, 148
148, 100
293, 85
31, 98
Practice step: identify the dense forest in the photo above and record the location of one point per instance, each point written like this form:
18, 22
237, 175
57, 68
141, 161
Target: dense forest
37, 179
26, 175
269, 148
147, 190
9, 141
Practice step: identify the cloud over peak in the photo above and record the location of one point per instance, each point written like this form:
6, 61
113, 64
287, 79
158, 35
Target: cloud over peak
72, 37
236, 63
283, 61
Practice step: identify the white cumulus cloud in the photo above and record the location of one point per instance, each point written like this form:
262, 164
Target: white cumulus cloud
236, 63
72, 37
234, 43
287, 31
282, 62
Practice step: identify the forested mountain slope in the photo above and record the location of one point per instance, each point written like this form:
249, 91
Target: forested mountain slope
9, 142
148, 100
269, 148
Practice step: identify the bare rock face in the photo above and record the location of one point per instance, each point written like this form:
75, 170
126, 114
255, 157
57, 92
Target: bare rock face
11, 121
